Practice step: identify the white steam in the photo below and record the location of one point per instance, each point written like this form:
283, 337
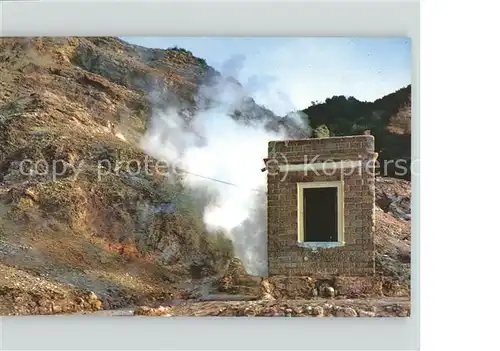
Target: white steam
222, 155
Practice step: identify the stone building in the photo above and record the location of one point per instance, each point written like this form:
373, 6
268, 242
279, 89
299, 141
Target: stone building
321, 203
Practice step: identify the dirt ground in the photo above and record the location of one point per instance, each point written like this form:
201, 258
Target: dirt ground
382, 307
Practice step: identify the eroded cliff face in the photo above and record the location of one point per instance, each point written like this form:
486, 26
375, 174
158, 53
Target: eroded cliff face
72, 114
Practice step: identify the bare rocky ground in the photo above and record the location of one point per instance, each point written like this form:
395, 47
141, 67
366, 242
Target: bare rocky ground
73, 242
381, 307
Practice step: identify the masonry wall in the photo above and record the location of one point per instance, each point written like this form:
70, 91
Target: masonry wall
285, 255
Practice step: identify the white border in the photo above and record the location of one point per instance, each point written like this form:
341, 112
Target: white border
209, 18
252, 18
461, 68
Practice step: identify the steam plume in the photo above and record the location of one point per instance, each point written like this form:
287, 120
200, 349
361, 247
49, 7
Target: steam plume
224, 139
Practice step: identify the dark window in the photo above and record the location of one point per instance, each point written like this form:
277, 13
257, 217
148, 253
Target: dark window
320, 214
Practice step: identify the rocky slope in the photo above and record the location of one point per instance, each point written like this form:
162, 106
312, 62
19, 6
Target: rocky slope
77, 232
68, 104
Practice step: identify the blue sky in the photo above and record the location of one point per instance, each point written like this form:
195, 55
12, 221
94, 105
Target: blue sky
288, 73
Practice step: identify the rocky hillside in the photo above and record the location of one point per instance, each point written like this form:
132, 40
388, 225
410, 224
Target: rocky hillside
68, 105
78, 232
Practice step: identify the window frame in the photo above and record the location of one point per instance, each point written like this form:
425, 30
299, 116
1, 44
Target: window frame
340, 206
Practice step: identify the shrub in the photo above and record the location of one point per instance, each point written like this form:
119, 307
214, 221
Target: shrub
322, 132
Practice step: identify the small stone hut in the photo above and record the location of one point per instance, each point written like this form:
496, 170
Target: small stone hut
321, 203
